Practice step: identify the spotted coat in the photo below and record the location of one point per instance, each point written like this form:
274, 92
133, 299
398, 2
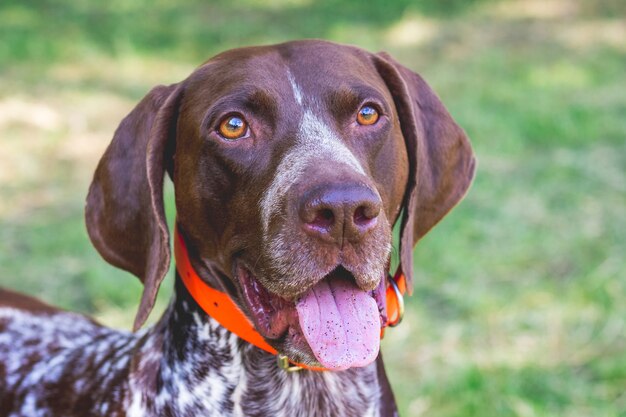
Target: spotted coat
56, 363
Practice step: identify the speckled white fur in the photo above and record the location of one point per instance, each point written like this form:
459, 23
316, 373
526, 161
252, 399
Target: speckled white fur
223, 378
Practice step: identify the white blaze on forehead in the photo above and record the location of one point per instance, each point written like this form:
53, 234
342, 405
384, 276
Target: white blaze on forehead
297, 93
316, 142
317, 135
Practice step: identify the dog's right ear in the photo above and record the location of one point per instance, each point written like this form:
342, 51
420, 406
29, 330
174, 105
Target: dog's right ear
124, 211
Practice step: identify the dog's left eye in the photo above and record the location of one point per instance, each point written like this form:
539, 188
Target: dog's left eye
233, 127
368, 115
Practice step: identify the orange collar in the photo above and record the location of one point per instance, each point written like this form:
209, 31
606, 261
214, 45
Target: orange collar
223, 309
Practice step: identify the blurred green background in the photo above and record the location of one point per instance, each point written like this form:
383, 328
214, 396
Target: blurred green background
520, 301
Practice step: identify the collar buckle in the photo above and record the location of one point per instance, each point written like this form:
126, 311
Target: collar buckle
283, 363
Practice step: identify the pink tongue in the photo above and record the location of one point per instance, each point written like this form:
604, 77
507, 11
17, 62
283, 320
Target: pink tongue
341, 323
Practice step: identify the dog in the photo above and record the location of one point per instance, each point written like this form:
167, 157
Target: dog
291, 163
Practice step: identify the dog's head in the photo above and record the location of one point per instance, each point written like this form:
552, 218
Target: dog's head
290, 164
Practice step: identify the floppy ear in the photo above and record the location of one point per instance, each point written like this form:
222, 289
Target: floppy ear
124, 211
441, 161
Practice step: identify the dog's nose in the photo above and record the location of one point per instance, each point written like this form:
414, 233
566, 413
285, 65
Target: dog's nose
335, 213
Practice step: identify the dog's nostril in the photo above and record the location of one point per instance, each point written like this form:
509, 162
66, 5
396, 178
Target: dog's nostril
359, 215
364, 215
324, 218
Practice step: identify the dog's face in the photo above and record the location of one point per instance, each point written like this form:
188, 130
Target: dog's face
290, 164
282, 182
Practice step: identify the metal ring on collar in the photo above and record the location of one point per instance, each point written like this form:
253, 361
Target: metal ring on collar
400, 299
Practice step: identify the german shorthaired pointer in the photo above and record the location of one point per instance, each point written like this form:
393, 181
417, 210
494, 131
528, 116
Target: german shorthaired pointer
290, 163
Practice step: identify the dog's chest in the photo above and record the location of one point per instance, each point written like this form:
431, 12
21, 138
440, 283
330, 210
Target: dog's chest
270, 391
214, 373
242, 385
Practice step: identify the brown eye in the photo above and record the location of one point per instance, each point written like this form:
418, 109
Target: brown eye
368, 115
233, 127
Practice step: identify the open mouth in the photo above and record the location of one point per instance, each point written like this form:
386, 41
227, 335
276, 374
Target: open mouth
334, 321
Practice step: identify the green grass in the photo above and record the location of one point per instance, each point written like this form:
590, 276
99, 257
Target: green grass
519, 300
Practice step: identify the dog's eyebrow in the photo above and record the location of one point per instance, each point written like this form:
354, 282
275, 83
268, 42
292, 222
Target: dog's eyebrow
261, 99
348, 97
246, 98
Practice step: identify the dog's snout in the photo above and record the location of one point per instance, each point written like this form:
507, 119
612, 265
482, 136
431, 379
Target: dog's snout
335, 213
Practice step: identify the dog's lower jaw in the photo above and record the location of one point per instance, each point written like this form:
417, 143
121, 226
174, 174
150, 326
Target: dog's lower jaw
187, 364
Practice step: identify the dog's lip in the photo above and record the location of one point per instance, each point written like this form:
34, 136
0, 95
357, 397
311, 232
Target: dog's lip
271, 314
277, 318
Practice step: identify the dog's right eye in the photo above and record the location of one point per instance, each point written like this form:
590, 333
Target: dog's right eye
233, 127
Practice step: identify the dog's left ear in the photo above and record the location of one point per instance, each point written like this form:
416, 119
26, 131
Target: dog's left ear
124, 212
441, 161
